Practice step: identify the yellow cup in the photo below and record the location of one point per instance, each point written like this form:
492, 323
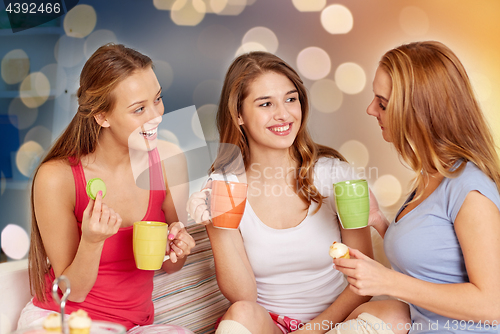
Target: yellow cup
149, 244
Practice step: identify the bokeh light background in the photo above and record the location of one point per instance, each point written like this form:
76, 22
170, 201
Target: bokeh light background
335, 46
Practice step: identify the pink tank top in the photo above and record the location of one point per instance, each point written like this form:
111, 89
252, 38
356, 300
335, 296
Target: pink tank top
121, 293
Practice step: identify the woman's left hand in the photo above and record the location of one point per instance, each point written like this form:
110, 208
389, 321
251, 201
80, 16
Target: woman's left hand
366, 277
180, 242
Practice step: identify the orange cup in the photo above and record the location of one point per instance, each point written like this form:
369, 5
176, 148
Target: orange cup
228, 203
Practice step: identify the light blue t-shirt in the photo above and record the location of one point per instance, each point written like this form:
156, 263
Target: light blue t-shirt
423, 244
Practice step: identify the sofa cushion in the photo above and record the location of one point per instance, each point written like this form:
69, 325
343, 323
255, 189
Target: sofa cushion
191, 296
14, 293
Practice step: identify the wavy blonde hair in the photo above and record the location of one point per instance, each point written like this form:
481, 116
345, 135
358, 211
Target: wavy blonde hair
435, 120
242, 72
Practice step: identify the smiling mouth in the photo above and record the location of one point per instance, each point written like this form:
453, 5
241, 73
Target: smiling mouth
149, 134
281, 130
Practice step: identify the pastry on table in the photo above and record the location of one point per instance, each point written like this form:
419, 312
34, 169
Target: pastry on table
52, 323
79, 322
339, 251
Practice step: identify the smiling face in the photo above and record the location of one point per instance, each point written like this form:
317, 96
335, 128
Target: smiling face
271, 114
382, 88
137, 111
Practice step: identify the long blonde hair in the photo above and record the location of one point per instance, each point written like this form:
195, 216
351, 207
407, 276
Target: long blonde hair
434, 118
103, 71
304, 150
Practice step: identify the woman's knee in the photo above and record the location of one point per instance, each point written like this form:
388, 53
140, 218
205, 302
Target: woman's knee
252, 316
394, 313
243, 311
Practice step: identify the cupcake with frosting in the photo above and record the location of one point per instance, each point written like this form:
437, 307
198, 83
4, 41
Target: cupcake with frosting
79, 322
339, 251
52, 323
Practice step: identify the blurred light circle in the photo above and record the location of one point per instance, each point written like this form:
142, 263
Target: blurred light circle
337, 19
15, 66
250, 2
41, 135
309, 5
326, 96
203, 122
215, 41
163, 4
69, 51
355, 152
414, 21
208, 7
164, 73
314, 63
481, 84
3, 183
207, 92
80, 21
387, 189
217, 6
34, 90
350, 78
249, 47
97, 39
188, 12
15, 241
263, 36
21, 116
28, 156
168, 136
232, 7
57, 78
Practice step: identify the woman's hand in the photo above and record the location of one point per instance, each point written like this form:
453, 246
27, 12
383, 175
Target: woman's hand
99, 221
181, 242
366, 277
198, 205
377, 218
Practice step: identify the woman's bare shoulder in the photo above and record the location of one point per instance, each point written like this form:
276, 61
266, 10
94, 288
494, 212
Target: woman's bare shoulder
55, 177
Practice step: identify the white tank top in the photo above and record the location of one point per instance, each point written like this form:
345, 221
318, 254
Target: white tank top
293, 270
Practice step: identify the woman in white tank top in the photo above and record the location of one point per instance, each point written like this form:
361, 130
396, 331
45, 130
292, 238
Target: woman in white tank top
275, 269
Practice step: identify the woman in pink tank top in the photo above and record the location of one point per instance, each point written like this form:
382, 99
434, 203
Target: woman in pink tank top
113, 136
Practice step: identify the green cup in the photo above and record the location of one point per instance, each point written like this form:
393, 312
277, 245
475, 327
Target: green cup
353, 203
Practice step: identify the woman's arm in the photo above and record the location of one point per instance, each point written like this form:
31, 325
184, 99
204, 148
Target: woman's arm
234, 273
477, 226
377, 218
347, 301
76, 258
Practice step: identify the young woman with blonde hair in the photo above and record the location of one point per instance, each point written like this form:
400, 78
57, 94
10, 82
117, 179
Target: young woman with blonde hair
275, 269
90, 241
444, 244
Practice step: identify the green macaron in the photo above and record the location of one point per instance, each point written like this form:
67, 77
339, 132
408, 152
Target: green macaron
93, 187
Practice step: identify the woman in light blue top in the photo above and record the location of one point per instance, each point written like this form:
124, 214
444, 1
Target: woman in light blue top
444, 244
